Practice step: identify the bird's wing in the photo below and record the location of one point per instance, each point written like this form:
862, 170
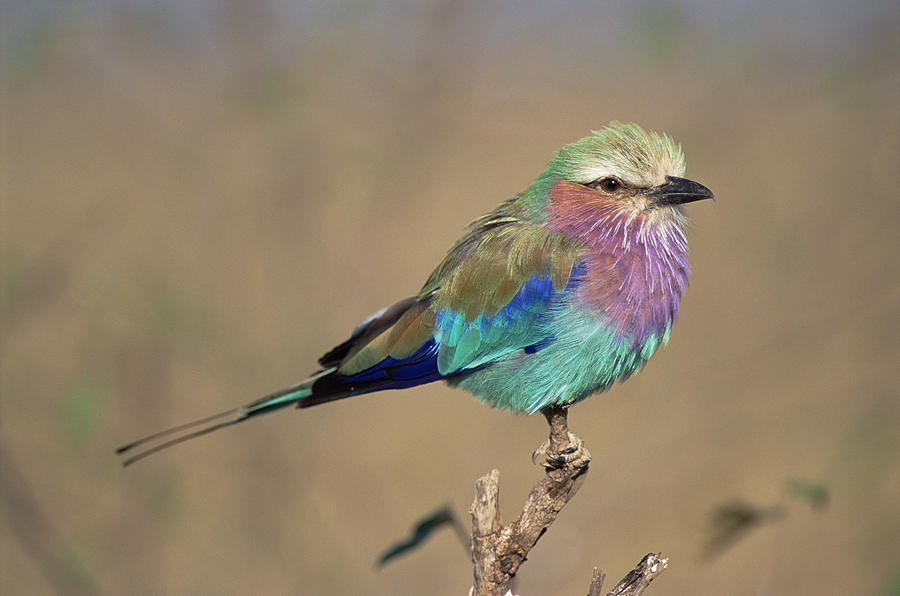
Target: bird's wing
486, 299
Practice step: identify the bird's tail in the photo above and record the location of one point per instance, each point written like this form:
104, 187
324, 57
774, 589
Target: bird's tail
191, 430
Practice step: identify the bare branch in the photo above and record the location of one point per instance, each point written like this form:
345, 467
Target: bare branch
485, 529
498, 550
640, 577
596, 582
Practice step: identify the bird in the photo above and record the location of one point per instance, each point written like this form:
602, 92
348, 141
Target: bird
552, 296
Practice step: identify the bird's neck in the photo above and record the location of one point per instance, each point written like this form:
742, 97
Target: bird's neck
635, 263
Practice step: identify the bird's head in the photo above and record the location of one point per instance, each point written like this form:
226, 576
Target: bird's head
625, 170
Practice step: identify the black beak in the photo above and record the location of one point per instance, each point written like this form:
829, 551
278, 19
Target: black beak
678, 191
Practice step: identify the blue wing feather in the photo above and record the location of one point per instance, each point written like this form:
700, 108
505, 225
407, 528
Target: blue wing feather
458, 346
464, 344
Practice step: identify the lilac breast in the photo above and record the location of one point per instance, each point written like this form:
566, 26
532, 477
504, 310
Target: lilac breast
636, 264
635, 285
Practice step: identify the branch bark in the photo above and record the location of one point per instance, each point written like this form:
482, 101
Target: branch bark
499, 550
638, 578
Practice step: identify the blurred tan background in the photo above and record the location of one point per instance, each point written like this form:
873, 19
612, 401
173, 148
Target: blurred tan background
201, 198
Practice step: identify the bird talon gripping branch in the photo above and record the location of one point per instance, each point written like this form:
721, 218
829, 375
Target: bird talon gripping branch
554, 295
573, 455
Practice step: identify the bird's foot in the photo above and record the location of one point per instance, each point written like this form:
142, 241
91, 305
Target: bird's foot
570, 455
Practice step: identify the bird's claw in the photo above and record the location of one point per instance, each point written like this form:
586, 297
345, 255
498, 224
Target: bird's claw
573, 454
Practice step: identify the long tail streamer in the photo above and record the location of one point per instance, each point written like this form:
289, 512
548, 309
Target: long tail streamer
264, 405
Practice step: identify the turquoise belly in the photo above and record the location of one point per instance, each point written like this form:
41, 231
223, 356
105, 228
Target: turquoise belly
585, 356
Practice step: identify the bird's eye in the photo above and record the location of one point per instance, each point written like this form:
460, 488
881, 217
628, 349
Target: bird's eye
608, 185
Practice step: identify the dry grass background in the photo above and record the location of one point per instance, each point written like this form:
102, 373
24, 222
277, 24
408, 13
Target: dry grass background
201, 199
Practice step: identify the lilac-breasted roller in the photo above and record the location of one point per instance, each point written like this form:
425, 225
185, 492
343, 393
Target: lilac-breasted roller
549, 298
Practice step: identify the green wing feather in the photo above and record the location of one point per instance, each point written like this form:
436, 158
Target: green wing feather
458, 306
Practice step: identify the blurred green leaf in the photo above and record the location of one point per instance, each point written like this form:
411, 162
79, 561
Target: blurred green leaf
814, 494
729, 522
732, 521
422, 530
80, 411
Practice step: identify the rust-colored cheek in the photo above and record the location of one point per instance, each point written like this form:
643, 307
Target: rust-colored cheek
573, 208
564, 193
